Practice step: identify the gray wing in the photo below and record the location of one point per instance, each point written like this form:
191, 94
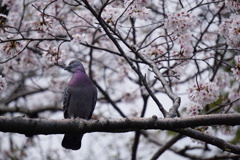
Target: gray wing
66, 100
80, 101
94, 100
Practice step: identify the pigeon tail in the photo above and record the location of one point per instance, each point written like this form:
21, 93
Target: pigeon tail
72, 141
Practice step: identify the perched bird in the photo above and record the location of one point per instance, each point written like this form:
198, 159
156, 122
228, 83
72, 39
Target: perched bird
80, 98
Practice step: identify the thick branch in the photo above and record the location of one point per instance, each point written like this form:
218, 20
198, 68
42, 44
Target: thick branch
30, 127
47, 126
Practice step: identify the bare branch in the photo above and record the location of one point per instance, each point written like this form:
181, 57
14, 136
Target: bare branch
29, 126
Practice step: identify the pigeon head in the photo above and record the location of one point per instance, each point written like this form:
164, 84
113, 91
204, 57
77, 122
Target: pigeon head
74, 66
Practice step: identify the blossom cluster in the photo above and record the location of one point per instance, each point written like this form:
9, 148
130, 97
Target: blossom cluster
12, 48
203, 93
193, 109
230, 29
222, 79
186, 49
111, 14
54, 55
77, 38
180, 25
154, 52
180, 22
233, 4
137, 8
43, 23
3, 83
234, 95
236, 69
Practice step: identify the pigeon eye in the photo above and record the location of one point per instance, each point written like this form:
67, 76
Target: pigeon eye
72, 62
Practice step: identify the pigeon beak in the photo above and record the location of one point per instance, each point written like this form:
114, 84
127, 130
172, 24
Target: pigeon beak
68, 68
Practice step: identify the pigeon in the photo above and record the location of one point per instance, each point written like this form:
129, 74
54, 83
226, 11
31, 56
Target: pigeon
80, 98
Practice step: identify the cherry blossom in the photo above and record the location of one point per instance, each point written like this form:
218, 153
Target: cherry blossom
180, 22
12, 48
234, 95
236, 69
3, 83
43, 23
228, 130
77, 38
29, 62
230, 29
54, 54
155, 53
186, 49
203, 93
137, 8
233, 4
193, 109
111, 14
222, 79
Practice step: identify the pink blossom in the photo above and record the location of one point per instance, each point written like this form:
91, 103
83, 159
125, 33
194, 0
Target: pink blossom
222, 79
54, 54
137, 8
230, 29
193, 109
12, 48
180, 22
236, 69
236, 72
186, 49
29, 62
203, 93
77, 38
233, 95
43, 23
154, 53
111, 14
233, 4
3, 83
228, 130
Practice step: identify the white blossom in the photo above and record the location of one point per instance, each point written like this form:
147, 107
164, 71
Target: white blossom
233, 95
233, 4
154, 52
180, 22
137, 8
222, 79
230, 29
12, 48
3, 83
111, 14
236, 69
54, 54
203, 93
193, 109
43, 23
78, 38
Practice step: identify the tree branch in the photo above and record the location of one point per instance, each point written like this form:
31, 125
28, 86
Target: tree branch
29, 126
48, 126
